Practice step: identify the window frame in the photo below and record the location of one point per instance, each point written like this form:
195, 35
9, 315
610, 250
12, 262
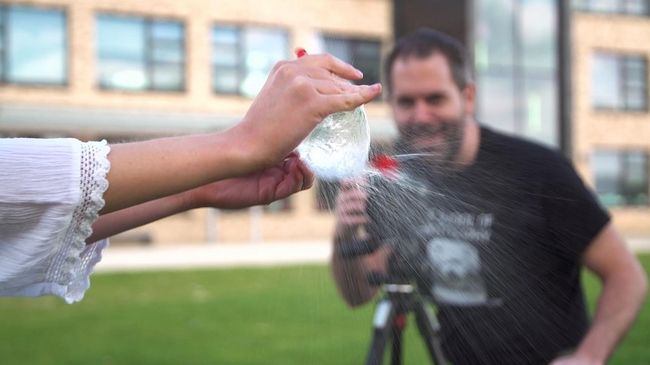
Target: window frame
622, 70
148, 63
516, 76
621, 8
241, 49
4, 52
622, 157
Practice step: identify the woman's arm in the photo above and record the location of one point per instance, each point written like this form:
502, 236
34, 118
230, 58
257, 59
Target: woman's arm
263, 187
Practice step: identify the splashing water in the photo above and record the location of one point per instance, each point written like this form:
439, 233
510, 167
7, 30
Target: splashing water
388, 171
440, 226
338, 148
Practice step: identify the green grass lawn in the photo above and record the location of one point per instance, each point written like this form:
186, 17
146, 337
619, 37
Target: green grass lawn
240, 316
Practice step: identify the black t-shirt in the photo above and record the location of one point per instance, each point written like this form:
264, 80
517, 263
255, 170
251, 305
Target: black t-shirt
497, 246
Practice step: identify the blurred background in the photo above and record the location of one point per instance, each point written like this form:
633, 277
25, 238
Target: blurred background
572, 75
569, 74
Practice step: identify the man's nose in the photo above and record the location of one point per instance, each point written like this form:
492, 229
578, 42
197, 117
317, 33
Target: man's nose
421, 111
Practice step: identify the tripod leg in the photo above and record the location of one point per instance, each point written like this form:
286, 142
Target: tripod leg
428, 327
382, 326
399, 322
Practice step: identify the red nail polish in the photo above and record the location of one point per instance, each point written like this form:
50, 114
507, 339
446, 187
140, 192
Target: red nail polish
300, 52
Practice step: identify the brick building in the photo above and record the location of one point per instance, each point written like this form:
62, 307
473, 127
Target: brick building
125, 70
610, 123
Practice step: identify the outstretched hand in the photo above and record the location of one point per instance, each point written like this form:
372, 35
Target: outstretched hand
276, 182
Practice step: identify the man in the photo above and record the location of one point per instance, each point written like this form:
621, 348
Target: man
506, 226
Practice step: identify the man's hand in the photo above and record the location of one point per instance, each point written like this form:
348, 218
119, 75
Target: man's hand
351, 214
351, 273
575, 359
263, 187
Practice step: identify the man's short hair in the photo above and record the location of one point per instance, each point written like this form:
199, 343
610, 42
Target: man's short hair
423, 43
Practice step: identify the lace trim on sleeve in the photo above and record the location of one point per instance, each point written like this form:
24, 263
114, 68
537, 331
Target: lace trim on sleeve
74, 263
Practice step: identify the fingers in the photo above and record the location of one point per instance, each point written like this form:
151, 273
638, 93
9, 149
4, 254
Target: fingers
308, 179
351, 205
300, 177
318, 73
333, 65
328, 75
295, 98
334, 87
360, 94
345, 95
292, 154
328, 82
293, 178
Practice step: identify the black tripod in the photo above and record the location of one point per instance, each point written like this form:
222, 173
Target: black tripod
400, 298
391, 313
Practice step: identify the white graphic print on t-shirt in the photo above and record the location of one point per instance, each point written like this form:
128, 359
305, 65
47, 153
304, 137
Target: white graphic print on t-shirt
456, 262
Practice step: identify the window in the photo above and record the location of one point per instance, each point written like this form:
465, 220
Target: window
621, 177
32, 45
629, 7
362, 54
516, 60
242, 58
140, 53
619, 82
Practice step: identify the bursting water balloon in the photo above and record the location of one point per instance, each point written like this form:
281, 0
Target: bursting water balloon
338, 148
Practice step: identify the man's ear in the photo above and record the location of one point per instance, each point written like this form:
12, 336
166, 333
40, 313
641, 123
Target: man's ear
469, 97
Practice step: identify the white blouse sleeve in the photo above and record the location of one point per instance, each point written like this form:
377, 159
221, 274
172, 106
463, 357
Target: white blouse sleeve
50, 195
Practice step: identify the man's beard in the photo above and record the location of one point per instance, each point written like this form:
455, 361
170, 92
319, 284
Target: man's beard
443, 153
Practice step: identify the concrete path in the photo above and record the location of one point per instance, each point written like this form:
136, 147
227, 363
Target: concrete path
206, 255
639, 244
210, 255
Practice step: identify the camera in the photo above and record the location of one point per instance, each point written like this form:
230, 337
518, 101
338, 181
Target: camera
398, 209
